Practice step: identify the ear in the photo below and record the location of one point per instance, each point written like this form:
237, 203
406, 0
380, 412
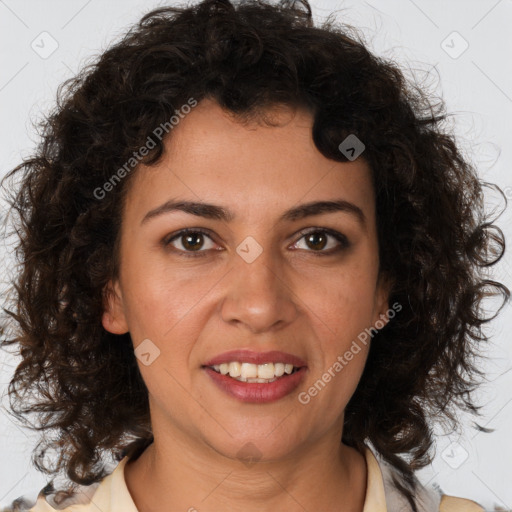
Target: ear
383, 291
113, 319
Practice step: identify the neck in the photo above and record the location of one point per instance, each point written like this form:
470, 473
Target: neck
186, 474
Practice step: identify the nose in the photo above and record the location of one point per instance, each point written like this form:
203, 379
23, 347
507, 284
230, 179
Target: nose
259, 296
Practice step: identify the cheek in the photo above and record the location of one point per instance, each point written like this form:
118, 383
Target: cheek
340, 316
159, 298
343, 300
165, 310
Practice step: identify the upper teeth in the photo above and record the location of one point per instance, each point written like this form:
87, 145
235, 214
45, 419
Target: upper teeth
253, 371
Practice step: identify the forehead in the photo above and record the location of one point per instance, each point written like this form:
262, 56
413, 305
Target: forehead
212, 156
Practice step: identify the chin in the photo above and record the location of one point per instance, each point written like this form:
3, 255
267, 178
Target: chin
259, 446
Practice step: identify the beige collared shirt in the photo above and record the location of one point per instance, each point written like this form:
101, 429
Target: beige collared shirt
112, 495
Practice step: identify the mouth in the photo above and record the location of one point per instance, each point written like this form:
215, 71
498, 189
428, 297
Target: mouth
249, 372
256, 377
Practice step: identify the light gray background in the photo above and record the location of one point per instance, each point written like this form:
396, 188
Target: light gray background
419, 35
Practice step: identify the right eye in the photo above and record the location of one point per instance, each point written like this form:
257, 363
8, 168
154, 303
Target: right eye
190, 241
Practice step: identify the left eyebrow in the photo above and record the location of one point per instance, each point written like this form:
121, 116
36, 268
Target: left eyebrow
215, 212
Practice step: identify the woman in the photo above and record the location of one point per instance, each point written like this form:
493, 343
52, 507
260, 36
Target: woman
243, 240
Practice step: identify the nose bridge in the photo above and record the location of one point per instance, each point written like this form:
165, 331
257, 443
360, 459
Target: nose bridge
258, 294
258, 269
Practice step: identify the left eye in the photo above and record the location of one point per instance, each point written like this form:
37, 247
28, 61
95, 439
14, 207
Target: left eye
192, 241
318, 240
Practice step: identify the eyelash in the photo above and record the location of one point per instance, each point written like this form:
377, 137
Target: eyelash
342, 239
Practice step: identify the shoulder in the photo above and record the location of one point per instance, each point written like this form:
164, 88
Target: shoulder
49, 500
111, 491
98, 496
44, 502
428, 498
454, 504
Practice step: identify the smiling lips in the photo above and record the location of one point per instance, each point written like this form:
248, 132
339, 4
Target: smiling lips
256, 376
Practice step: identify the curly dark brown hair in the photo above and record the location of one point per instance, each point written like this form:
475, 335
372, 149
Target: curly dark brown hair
435, 238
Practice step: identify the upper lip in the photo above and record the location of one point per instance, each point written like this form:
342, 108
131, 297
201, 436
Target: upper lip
249, 356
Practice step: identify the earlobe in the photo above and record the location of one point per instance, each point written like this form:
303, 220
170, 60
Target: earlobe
113, 319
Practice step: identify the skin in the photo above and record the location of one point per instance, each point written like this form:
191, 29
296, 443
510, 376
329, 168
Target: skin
290, 298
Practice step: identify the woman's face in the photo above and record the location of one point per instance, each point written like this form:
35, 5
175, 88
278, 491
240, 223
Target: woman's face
255, 281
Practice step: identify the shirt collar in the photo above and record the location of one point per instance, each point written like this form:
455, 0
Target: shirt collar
113, 494
375, 498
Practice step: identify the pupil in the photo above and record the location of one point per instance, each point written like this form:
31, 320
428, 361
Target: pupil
192, 241
314, 236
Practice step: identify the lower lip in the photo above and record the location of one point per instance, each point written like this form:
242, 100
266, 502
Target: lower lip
256, 392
